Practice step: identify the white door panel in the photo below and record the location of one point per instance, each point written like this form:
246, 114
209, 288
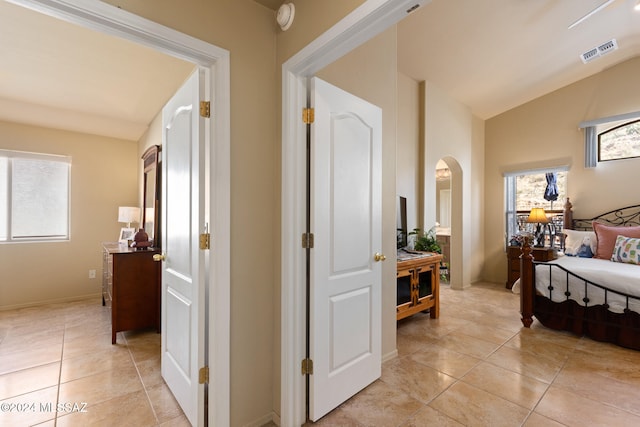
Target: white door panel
345, 289
183, 340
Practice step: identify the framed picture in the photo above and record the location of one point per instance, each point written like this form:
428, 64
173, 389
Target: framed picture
126, 234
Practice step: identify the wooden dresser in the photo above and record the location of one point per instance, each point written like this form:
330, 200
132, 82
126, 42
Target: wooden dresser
130, 288
513, 261
418, 285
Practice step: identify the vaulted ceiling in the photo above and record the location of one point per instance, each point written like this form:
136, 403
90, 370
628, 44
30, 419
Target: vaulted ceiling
59, 75
491, 55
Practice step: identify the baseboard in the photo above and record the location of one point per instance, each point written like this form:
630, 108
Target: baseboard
97, 296
391, 355
271, 417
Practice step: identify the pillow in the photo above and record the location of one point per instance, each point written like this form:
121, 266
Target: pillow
607, 236
627, 250
580, 243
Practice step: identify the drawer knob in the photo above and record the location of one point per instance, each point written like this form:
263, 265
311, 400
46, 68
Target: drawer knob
159, 257
379, 257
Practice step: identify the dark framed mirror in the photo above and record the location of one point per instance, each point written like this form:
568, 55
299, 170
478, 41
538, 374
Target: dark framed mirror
151, 194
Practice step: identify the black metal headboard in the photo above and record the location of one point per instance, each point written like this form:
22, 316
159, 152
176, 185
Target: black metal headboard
627, 216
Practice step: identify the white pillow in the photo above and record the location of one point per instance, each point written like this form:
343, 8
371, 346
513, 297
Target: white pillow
574, 239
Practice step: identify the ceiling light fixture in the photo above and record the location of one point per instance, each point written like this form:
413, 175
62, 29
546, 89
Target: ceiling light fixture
637, 6
590, 14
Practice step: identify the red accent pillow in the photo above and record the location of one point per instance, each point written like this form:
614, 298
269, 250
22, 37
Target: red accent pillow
607, 235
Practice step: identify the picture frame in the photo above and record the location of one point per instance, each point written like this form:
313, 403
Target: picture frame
126, 235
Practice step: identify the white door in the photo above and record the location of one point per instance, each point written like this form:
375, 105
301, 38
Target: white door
183, 201
345, 288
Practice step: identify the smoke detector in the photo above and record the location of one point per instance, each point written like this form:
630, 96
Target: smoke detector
285, 15
599, 51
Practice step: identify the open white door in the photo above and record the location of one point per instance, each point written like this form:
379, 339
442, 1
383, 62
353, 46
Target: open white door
346, 279
183, 272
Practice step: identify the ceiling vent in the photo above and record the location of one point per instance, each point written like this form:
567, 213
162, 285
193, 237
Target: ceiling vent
599, 51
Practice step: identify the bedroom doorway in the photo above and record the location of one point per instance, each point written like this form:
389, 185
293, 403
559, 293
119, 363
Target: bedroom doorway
362, 24
102, 17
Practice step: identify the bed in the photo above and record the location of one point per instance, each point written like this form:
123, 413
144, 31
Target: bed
595, 296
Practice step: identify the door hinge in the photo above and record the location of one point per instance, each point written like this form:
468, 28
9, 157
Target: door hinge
203, 375
308, 115
205, 109
307, 240
307, 367
205, 241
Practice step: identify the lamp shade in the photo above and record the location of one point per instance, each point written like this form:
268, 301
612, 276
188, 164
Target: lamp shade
538, 215
128, 214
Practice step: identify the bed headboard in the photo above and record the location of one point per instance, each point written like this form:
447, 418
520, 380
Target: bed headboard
627, 216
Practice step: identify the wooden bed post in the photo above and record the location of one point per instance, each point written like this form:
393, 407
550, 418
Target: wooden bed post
526, 283
568, 215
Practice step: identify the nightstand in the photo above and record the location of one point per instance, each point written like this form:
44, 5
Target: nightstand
513, 260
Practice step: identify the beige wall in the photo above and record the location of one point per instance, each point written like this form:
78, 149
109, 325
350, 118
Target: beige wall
545, 132
311, 20
453, 134
103, 177
408, 149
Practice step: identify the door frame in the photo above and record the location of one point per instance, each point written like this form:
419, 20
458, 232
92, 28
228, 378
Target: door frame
365, 22
105, 18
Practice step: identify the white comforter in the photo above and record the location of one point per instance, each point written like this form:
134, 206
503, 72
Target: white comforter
613, 275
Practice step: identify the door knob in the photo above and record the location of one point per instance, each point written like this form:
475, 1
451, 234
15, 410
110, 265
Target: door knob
159, 257
379, 257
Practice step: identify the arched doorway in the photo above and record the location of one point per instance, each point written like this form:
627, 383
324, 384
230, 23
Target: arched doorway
448, 215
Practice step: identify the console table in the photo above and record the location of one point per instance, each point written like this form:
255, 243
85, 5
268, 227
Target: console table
418, 284
130, 288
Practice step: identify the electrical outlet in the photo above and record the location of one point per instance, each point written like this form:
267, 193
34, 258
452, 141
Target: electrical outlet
92, 274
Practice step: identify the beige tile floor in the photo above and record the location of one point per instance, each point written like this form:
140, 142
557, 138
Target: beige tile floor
61, 355
474, 366
477, 366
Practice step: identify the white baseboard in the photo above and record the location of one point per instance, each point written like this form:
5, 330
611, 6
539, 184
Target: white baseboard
271, 417
51, 301
391, 355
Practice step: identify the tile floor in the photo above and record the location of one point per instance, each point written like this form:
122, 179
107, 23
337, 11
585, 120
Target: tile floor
477, 366
61, 355
474, 366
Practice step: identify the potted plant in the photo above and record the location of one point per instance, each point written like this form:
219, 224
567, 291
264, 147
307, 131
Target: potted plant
426, 241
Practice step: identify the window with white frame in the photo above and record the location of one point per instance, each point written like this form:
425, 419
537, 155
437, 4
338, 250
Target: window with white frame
34, 196
525, 190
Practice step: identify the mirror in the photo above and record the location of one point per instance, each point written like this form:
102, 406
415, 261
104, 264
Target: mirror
151, 196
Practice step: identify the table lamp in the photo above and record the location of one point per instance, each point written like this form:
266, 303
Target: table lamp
538, 216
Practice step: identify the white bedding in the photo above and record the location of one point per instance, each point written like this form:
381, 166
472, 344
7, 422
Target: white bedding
614, 275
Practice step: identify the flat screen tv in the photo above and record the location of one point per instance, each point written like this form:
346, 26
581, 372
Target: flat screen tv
401, 228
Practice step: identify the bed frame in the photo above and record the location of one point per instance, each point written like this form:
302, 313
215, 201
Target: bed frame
594, 321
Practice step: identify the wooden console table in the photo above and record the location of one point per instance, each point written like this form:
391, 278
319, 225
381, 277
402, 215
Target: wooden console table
418, 285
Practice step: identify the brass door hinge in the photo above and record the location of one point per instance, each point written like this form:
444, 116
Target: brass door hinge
307, 367
308, 115
307, 240
205, 109
205, 241
203, 375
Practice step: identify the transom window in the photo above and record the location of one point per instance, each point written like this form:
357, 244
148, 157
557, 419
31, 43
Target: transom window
620, 142
34, 196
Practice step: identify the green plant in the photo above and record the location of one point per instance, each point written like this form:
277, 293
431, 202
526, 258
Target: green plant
426, 241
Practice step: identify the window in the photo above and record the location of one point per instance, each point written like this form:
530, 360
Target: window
527, 189
620, 142
34, 196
